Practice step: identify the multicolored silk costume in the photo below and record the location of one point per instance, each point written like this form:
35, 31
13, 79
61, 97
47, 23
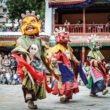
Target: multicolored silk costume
95, 59
65, 67
29, 49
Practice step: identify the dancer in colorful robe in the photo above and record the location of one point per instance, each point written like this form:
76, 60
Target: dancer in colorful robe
64, 67
98, 77
30, 66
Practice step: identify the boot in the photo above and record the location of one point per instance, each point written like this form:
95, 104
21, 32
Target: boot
28, 96
31, 105
67, 99
93, 94
63, 98
104, 92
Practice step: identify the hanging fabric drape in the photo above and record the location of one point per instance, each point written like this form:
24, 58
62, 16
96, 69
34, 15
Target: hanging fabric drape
67, 3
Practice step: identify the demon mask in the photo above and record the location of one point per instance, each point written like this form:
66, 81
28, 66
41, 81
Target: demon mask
30, 24
94, 44
61, 36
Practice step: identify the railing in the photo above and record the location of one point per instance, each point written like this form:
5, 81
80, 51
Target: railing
89, 28
97, 28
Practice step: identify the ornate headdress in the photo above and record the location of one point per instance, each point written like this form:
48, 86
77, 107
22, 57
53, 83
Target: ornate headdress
93, 42
61, 36
30, 14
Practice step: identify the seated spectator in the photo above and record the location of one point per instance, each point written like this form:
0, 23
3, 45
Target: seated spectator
4, 79
79, 22
13, 65
3, 27
8, 78
19, 30
78, 27
2, 71
14, 78
66, 24
18, 80
6, 63
100, 28
8, 29
108, 26
0, 29
0, 60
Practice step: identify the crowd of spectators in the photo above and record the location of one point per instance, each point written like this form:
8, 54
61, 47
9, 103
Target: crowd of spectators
8, 70
4, 28
89, 27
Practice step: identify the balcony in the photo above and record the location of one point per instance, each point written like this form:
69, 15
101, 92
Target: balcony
89, 28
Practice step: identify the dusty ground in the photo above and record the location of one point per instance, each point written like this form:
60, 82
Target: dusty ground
11, 98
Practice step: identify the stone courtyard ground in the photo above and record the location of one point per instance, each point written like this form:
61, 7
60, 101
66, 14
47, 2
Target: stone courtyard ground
11, 98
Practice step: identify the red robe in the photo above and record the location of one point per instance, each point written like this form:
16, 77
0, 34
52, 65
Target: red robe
68, 88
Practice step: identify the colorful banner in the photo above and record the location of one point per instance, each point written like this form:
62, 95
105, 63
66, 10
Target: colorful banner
8, 44
67, 3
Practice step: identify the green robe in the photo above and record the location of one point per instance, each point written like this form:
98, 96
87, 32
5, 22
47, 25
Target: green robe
26, 42
96, 55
